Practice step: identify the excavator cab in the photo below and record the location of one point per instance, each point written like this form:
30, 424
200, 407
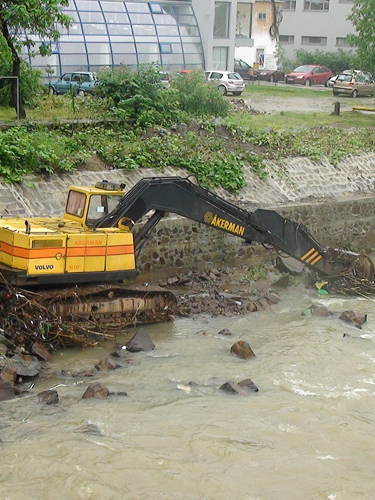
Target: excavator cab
86, 205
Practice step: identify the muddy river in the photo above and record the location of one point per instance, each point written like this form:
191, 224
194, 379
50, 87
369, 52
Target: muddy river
307, 434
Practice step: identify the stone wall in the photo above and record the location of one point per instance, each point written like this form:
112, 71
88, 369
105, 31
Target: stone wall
335, 203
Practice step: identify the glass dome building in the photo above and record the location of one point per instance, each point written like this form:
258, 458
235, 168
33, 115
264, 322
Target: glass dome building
107, 33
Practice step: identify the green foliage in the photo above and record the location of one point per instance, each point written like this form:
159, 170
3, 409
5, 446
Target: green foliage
198, 98
23, 152
38, 18
362, 18
139, 97
31, 84
207, 158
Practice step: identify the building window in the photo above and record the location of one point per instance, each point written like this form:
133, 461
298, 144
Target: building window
316, 4
165, 48
289, 5
286, 39
243, 20
222, 17
220, 57
342, 42
314, 40
155, 7
262, 16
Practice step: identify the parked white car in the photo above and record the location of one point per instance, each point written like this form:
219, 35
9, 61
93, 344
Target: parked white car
226, 81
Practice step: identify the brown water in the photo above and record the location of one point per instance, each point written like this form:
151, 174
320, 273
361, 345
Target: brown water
307, 434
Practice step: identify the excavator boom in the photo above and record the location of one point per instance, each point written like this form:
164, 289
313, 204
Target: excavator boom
182, 197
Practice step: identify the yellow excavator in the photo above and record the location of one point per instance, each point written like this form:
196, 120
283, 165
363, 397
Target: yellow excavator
92, 249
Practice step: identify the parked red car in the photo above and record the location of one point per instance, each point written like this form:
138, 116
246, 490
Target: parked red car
309, 74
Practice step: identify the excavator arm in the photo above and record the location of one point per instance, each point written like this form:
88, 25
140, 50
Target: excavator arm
182, 197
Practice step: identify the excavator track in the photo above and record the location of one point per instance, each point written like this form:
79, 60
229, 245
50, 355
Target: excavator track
111, 304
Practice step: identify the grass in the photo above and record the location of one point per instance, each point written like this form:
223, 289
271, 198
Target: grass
281, 90
289, 120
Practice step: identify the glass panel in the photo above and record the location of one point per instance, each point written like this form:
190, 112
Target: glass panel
100, 59
192, 48
73, 30
74, 15
165, 48
72, 38
98, 48
113, 7
148, 58
91, 5
194, 59
117, 17
155, 7
92, 17
176, 47
243, 20
72, 48
94, 29
219, 57
141, 19
146, 39
80, 61
164, 19
147, 48
167, 30
180, 9
119, 29
189, 31
144, 30
125, 59
170, 59
221, 24
96, 38
137, 7
123, 48
187, 20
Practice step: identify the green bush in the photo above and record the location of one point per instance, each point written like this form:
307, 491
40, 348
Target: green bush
198, 98
138, 95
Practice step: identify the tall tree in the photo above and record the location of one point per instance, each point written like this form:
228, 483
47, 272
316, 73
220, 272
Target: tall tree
362, 18
36, 18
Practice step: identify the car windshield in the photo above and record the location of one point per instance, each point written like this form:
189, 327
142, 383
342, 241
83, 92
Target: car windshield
344, 78
234, 76
303, 69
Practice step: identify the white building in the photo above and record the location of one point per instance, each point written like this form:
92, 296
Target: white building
315, 25
246, 29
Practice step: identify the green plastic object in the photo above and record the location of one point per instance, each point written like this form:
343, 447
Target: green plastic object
323, 292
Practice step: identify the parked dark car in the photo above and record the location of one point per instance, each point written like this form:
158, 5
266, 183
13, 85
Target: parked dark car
242, 68
269, 75
309, 74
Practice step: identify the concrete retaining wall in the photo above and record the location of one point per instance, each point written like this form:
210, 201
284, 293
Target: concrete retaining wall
336, 204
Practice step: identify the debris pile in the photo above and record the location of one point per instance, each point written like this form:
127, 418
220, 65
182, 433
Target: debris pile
218, 293
25, 319
240, 105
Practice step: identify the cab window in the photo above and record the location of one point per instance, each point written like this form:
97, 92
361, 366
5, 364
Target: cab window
101, 205
75, 204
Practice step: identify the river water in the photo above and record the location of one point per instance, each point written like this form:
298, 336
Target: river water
307, 434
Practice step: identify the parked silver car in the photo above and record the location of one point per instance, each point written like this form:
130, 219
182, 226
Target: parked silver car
354, 83
226, 81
